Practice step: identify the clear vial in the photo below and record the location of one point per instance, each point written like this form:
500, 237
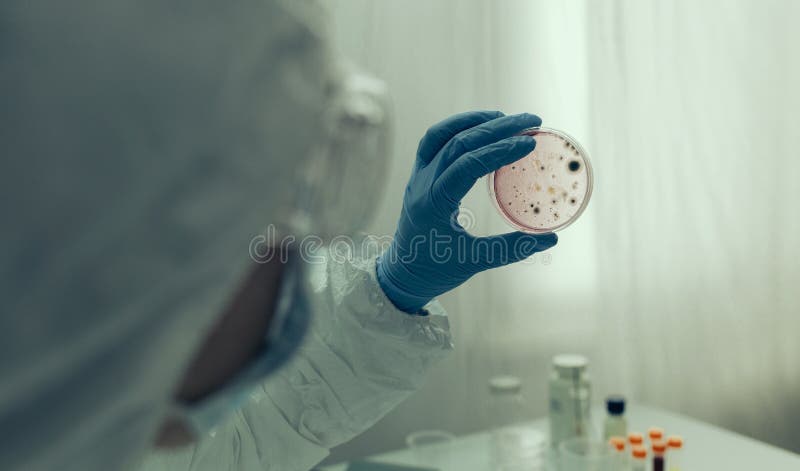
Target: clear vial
617, 444
514, 445
639, 458
675, 453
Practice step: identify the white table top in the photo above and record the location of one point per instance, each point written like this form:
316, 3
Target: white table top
706, 447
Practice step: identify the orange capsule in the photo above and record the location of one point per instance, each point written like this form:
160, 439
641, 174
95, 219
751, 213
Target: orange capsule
659, 447
639, 452
617, 442
675, 441
655, 433
635, 438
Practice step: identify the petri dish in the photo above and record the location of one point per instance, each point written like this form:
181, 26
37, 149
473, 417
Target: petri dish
548, 189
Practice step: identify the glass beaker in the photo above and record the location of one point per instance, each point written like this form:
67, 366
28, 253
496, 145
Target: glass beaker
582, 454
432, 448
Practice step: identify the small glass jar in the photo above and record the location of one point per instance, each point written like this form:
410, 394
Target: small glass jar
513, 444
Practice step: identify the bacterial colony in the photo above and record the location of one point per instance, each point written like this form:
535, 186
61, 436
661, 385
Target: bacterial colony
545, 190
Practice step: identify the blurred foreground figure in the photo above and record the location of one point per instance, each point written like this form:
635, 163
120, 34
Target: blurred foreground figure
145, 145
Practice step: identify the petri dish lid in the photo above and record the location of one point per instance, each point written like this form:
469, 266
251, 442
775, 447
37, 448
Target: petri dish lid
548, 189
505, 384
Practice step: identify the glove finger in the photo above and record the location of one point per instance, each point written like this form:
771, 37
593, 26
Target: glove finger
440, 133
504, 249
483, 135
456, 181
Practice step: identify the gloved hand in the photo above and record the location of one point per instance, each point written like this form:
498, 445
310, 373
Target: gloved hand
431, 253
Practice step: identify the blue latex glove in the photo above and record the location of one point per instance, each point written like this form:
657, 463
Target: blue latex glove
431, 253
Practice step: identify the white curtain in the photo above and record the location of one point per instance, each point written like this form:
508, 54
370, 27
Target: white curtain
679, 282
693, 125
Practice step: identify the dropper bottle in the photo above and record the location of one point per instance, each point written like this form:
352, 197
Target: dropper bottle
615, 424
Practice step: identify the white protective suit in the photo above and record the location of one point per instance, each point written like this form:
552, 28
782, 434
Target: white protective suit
360, 359
143, 145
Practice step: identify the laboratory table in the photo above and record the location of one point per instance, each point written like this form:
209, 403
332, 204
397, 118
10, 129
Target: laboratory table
706, 447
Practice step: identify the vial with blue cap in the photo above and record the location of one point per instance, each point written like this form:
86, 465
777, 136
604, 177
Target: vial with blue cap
615, 423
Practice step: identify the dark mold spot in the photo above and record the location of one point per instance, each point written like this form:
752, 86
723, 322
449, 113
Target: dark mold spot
574, 166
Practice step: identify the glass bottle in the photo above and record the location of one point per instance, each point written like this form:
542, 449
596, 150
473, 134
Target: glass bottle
615, 424
675, 454
570, 395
